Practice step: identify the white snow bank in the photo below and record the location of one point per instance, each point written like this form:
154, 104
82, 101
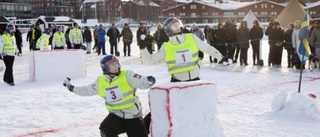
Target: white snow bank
57, 64
296, 103
183, 109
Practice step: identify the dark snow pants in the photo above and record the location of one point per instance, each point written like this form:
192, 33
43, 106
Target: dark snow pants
8, 62
113, 125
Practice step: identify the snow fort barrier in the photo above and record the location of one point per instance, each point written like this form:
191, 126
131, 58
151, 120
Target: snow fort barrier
184, 109
57, 64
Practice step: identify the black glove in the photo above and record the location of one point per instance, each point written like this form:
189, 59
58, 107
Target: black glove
67, 84
151, 80
18, 54
1, 58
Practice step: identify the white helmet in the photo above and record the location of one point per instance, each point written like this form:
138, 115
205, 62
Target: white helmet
173, 26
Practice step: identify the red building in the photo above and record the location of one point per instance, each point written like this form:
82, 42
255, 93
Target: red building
141, 11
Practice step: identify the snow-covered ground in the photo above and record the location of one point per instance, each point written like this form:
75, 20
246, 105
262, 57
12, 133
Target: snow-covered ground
47, 109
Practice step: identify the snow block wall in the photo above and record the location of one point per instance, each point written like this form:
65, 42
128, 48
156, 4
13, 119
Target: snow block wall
57, 64
184, 109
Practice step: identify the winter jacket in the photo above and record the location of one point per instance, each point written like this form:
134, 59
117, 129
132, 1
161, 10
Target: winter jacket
243, 35
134, 80
101, 35
160, 36
231, 34
256, 35
87, 37
220, 37
139, 33
18, 36
29, 35
288, 39
295, 36
127, 35
315, 37
160, 56
278, 37
113, 34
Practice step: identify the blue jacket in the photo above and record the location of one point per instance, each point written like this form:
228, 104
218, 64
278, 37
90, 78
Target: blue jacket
101, 35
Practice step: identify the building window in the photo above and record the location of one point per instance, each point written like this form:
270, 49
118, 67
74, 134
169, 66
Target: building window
255, 13
203, 7
171, 14
271, 5
205, 14
255, 6
193, 6
193, 14
266, 5
71, 10
182, 14
262, 5
183, 7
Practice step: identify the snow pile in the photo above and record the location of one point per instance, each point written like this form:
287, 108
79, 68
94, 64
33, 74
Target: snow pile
183, 109
296, 103
56, 64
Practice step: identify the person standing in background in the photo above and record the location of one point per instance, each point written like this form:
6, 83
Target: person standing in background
288, 45
18, 36
256, 35
68, 38
243, 36
142, 31
43, 41
8, 50
160, 36
29, 38
36, 34
127, 37
59, 40
76, 38
87, 38
114, 36
53, 30
101, 40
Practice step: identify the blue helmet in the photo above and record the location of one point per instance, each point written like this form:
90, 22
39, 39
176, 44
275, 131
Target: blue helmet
107, 60
172, 26
47, 31
9, 27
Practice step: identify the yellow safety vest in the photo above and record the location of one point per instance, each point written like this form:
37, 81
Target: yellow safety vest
33, 36
183, 57
118, 94
76, 36
46, 41
9, 43
59, 39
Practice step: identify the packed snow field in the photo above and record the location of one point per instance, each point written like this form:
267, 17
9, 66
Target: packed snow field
47, 109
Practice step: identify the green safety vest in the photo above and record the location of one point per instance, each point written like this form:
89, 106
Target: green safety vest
46, 41
76, 36
59, 39
9, 43
183, 57
118, 94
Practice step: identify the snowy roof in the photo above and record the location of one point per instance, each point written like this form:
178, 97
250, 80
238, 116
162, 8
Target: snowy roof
91, 1
56, 18
3, 20
230, 5
314, 4
142, 3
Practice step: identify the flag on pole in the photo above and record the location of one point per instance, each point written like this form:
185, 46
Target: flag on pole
303, 48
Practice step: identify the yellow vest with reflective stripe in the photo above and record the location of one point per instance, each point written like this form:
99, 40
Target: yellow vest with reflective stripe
9, 44
183, 57
46, 42
127, 91
59, 39
76, 36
